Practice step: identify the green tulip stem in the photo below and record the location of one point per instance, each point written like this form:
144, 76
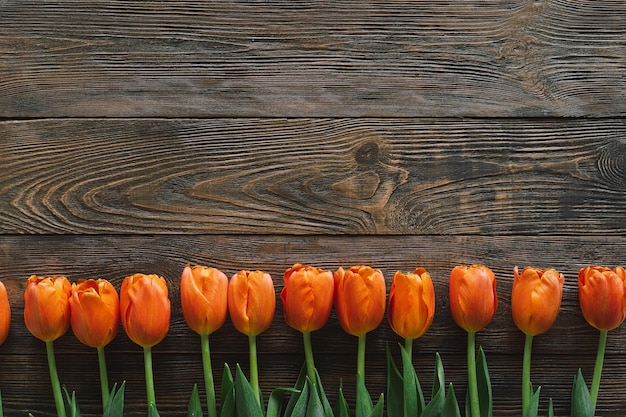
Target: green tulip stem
360, 367
54, 379
308, 357
254, 368
408, 346
208, 376
104, 379
597, 371
360, 359
471, 374
526, 384
147, 361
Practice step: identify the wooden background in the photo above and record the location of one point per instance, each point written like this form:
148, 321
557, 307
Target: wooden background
140, 136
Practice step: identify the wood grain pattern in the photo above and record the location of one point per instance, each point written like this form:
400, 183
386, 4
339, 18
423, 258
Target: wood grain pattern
320, 176
557, 355
138, 136
499, 58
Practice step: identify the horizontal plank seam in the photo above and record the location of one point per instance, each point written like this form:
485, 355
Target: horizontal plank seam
239, 117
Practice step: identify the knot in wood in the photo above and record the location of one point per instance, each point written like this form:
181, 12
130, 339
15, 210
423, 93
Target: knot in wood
367, 154
612, 164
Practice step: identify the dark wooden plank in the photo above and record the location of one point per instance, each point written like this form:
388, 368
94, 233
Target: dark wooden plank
322, 59
558, 354
313, 176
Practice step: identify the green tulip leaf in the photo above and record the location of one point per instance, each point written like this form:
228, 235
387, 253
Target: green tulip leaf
533, 406
246, 402
434, 408
228, 404
295, 396
341, 406
152, 411
435, 405
71, 407
274, 405
451, 405
227, 381
364, 404
115, 404
328, 410
581, 398
395, 389
413, 397
378, 410
227, 408
439, 381
194, 408
550, 408
314, 408
300, 407
484, 385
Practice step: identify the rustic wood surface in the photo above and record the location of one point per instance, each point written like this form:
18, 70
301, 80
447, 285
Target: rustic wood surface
326, 58
142, 136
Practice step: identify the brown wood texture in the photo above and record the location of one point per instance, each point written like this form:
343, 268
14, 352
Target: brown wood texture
314, 176
323, 59
141, 136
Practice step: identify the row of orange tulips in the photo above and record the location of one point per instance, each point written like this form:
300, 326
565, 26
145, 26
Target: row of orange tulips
358, 294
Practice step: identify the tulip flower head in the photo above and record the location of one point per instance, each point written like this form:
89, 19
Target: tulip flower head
47, 317
411, 303
145, 308
473, 298
251, 301
473, 303
307, 297
536, 299
95, 312
46, 307
360, 299
602, 296
203, 297
5, 314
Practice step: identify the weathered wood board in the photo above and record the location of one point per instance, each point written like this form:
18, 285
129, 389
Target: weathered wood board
501, 58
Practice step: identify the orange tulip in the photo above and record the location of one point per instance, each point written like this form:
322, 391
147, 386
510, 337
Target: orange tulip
5, 314
251, 301
95, 311
473, 298
203, 297
536, 299
145, 308
307, 297
602, 296
47, 307
411, 303
360, 299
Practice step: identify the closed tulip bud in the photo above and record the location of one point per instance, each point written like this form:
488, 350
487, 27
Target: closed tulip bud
95, 309
145, 309
602, 296
5, 314
536, 299
307, 297
473, 298
360, 299
251, 301
47, 307
411, 303
203, 297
